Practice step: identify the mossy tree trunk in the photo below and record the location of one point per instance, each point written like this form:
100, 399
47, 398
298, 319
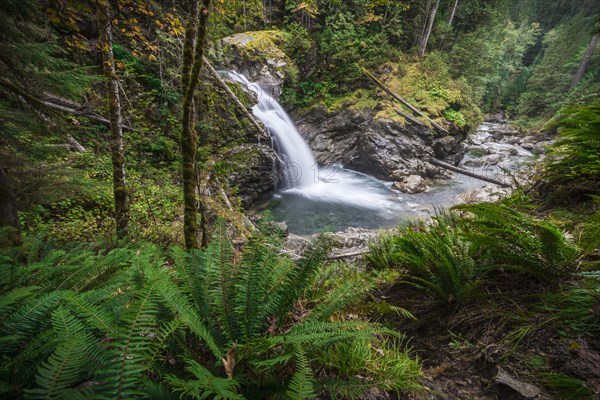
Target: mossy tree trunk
8, 209
121, 197
192, 63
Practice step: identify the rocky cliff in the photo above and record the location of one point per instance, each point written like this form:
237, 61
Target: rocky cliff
386, 148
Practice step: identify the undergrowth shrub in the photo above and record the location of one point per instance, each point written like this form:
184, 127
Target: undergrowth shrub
436, 258
503, 238
139, 322
573, 167
450, 257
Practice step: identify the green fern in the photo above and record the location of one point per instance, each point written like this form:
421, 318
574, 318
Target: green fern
57, 376
188, 315
205, 385
302, 384
505, 238
437, 259
573, 166
130, 352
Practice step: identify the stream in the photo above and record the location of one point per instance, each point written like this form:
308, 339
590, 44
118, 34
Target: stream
317, 198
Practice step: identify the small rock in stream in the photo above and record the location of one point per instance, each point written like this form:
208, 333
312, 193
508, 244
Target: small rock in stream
411, 184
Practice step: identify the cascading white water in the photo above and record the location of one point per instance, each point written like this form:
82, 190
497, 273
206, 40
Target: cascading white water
303, 176
299, 161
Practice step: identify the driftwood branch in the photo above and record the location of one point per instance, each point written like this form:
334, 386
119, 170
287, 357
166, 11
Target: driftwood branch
261, 130
404, 102
57, 103
450, 167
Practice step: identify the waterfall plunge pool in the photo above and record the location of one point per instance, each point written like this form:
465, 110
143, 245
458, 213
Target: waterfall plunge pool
358, 200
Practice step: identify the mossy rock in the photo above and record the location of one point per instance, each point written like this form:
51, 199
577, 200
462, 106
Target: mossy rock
259, 57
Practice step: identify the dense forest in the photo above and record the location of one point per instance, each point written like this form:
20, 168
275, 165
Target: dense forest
261, 199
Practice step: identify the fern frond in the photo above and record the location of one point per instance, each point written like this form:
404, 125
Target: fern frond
96, 316
57, 376
31, 317
251, 288
192, 274
166, 331
188, 315
223, 274
131, 347
206, 385
318, 334
100, 274
347, 293
350, 388
14, 297
302, 384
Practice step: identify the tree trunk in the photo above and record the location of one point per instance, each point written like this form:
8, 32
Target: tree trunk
425, 38
193, 59
8, 209
417, 39
586, 60
116, 120
453, 13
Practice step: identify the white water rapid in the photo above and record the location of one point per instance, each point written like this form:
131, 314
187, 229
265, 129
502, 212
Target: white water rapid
303, 175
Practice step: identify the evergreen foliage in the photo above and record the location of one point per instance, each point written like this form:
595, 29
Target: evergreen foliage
573, 169
465, 247
215, 323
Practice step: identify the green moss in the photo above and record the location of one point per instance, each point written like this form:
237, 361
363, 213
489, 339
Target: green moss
426, 85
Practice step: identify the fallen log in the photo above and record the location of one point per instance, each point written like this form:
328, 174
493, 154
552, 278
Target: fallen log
347, 255
450, 167
404, 102
58, 104
261, 130
409, 118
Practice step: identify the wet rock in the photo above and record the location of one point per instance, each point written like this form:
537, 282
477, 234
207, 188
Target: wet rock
411, 184
486, 194
498, 136
478, 149
382, 147
539, 148
513, 140
445, 145
351, 243
491, 159
527, 146
257, 172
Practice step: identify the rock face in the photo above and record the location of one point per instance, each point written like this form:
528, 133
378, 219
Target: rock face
257, 173
382, 147
257, 56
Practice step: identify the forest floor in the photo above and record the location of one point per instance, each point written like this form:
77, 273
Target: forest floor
501, 346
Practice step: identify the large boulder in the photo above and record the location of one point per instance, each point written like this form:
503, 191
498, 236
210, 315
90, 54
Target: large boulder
386, 148
257, 55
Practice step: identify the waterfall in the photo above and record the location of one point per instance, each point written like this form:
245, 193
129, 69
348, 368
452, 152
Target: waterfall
298, 159
303, 176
